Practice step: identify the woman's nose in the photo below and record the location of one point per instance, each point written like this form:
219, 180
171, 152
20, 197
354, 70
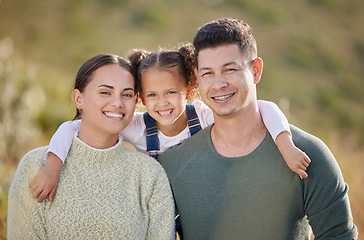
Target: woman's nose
117, 102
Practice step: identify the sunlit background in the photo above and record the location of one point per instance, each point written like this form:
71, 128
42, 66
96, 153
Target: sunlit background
313, 52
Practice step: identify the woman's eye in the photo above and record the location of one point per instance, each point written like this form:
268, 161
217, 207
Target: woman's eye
128, 95
105, 93
171, 92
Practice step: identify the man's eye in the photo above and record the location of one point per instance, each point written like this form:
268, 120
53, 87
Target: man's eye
206, 74
231, 70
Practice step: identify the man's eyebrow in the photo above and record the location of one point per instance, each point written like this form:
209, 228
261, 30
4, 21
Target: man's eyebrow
224, 65
230, 63
204, 68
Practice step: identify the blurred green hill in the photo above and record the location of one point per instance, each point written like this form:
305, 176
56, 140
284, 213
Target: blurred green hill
313, 52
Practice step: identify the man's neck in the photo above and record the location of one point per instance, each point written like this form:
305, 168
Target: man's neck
239, 135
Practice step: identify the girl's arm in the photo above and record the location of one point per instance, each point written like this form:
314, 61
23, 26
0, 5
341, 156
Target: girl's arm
277, 125
45, 181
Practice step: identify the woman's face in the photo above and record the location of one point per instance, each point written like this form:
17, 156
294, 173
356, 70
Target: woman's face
107, 103
164, 94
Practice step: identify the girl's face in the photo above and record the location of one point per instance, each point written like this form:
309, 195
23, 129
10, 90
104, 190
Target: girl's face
164, 93
107, 103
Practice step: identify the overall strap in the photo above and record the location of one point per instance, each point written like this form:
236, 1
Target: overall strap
151, 133
192, 119
151, 130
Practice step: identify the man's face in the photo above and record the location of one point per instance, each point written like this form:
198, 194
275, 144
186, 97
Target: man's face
226, 81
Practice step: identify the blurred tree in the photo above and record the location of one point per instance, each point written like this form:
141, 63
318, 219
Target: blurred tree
20, 101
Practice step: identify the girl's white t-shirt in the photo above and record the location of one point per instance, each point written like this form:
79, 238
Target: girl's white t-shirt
274, 119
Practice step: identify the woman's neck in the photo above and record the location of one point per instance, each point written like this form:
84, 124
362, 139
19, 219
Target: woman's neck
95, 140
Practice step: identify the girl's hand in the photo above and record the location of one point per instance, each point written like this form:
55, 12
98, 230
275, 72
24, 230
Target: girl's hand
45, 181
297, 160
42, 186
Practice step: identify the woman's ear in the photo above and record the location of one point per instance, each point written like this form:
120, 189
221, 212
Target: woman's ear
77, 98
257, 69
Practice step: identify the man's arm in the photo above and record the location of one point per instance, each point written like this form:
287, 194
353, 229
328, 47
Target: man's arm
325, 193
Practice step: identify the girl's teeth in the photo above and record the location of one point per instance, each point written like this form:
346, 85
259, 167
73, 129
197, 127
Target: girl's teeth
223, 97
163, 113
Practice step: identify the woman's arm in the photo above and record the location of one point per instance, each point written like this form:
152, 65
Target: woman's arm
161, 210
25, 216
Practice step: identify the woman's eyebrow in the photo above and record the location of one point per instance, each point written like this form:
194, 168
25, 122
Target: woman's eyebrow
107, 86
126, 89
111, 87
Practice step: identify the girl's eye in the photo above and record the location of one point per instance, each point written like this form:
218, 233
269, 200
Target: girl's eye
151, 95
171, 92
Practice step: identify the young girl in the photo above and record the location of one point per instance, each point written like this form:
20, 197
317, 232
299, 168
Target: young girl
166, 80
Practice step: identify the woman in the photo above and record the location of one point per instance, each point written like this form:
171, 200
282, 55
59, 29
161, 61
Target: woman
105, 190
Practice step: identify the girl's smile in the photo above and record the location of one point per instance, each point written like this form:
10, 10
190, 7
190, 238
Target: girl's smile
164, 94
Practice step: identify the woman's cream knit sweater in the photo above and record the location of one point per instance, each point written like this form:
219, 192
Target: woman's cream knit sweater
113, 193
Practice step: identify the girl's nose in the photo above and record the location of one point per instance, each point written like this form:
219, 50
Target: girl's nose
162, 101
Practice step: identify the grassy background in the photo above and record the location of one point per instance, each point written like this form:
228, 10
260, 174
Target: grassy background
313, 52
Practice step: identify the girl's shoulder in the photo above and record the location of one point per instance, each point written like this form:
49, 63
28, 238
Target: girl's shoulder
204, 113
135, 129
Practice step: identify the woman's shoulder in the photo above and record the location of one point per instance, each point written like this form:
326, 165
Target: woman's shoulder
142, 160
28, 166
148, 170
34, 157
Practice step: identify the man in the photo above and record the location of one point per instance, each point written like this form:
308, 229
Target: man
230, 180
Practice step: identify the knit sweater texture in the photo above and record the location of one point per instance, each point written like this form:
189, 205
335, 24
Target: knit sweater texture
112, 193
257, 196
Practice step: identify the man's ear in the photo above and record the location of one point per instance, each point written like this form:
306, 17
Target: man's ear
77, 98
257, 69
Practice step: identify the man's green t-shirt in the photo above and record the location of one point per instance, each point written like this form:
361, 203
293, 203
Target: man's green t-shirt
257, 196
